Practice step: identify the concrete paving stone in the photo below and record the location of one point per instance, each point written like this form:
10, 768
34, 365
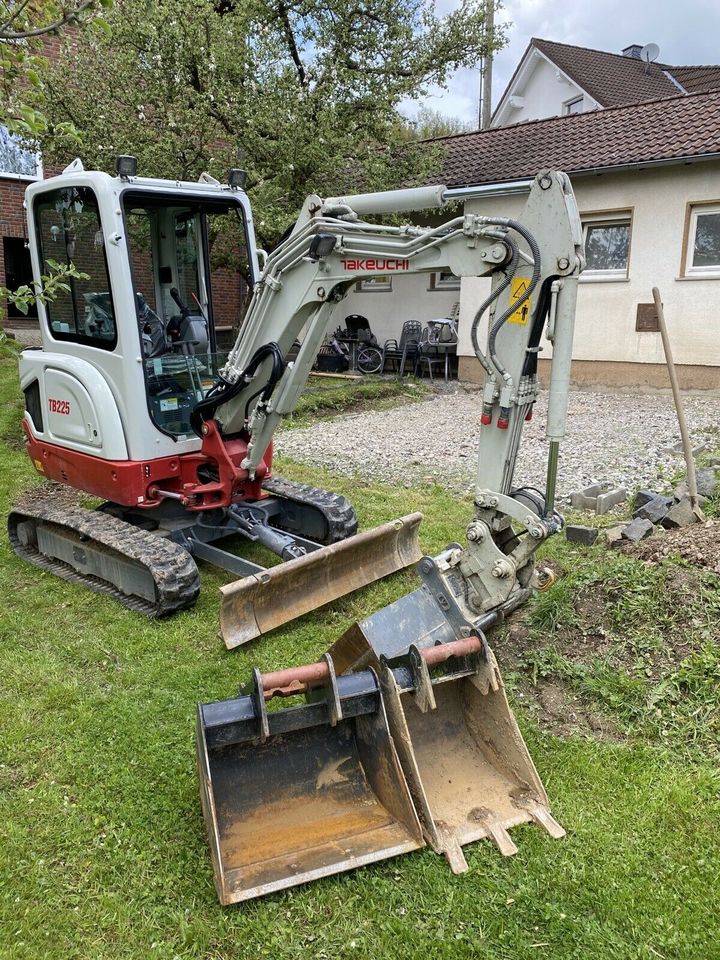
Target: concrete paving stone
576, 533
606, 501
638, 529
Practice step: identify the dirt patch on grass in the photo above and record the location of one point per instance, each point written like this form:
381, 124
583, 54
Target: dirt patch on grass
699, 544
612, 634
563, 713
49, 491
555, 706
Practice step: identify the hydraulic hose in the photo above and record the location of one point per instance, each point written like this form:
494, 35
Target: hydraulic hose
224, 391
495, 329
491, 299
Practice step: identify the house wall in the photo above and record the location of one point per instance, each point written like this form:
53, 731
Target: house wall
608, 350
12, 215
410, 299
543, 88
13, 221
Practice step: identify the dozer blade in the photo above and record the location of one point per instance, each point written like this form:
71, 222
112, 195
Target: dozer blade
300, 793
259, 603
468, 769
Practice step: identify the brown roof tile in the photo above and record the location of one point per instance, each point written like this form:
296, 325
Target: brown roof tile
696, 79
667, 129
610, 78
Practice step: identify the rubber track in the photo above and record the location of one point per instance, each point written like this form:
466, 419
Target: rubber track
337, 510
173, 570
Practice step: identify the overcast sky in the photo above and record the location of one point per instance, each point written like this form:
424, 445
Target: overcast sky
687, 33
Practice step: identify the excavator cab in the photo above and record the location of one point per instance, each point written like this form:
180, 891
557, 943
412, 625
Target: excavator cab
186, 280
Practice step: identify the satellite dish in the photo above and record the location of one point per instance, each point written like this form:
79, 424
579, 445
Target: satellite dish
650, 52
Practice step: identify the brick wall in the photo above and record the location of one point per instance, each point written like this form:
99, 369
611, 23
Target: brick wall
12, 190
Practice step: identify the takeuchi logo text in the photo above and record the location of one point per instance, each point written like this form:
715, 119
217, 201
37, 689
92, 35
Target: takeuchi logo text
382, 266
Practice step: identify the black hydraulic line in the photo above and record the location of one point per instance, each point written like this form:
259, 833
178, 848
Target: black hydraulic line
541, 312
224, 391
515, 254
535, 250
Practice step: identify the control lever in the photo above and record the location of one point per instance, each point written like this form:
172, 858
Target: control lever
175, 294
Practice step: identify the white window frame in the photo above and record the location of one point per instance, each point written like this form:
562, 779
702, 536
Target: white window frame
443, 284
607, 217
695, 210
24, 177
567, 112
380, 284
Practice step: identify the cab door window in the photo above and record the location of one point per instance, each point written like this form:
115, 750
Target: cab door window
70, 232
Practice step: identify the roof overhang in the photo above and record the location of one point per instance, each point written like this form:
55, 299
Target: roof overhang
522, 74
522, 185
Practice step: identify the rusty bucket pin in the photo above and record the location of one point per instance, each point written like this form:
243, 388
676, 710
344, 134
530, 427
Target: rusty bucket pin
256, 604
466, 763
304, 792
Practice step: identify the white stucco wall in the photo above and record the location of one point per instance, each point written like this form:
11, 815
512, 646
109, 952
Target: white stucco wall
606, 311
543, 88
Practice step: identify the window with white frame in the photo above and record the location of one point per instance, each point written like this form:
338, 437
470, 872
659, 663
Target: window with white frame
702, 257
573, 106
381, 284
444, 281
607, 245
16, 158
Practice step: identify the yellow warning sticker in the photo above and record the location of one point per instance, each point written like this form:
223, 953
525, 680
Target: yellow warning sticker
517, 289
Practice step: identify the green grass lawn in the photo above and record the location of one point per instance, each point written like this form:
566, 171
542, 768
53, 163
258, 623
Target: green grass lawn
103, 851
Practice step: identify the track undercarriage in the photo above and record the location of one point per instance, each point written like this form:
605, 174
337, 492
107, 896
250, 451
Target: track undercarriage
146, 559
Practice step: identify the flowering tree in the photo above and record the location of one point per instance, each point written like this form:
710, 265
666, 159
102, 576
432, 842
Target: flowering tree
25, 26
301, 93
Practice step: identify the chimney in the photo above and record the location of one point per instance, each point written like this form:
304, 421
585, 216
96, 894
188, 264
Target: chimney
633, 51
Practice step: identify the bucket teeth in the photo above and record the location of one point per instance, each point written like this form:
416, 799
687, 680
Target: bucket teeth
543, 818
454, 855
502, 839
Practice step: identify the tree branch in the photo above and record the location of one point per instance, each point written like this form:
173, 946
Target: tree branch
71, 16
290, 37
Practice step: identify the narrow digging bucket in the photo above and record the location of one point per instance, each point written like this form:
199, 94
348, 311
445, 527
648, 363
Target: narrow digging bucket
308, 801
466, 763
259, 603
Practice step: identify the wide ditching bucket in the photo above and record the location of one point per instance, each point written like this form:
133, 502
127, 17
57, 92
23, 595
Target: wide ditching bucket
259, 603
304, 792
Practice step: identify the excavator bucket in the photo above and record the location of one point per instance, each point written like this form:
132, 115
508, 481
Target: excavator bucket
467, 766
259, 603
366, 768
466, 763
301, 793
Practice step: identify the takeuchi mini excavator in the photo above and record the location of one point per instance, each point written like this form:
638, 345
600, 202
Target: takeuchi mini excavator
405, 737
129, 400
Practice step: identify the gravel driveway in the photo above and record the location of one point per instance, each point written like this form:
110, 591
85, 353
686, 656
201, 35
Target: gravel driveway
621, 438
